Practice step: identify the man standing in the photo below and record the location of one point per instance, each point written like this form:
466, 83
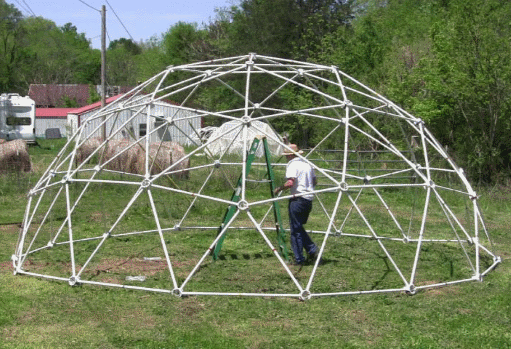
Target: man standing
301, 180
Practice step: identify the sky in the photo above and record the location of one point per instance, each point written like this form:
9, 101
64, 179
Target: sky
139, 20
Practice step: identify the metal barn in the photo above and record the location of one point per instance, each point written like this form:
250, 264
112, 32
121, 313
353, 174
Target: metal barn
133, 122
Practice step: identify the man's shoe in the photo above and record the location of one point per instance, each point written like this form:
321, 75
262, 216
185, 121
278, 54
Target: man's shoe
313, 257
298, 264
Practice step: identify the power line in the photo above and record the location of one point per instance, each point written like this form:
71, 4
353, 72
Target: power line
23, 7
83, 2
29, 8
120, 20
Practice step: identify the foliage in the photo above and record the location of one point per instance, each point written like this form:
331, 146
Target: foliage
122, 62
94, 96
151, 61
57, 55
10, 52
178, 43
455, 77
67, 102
286, 28
469, 77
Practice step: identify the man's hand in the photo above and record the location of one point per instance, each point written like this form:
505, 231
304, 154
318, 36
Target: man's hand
289, 183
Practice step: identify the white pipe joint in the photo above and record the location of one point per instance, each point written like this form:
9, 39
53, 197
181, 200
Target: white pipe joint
411, 289
146, 183
305, 295
14, 259
243, 205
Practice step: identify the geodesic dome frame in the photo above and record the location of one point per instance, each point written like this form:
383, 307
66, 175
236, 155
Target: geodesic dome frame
386, 186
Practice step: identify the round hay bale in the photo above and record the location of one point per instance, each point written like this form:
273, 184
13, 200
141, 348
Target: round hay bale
14, 156
159, 157
86, 149
122, 154
178, 156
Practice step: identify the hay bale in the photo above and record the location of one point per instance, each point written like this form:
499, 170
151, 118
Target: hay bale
163, 156
131, 158
160, 157
86, 149
14, 156
178, 154
125, 158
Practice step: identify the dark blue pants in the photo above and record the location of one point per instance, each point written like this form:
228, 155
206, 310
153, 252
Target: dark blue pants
299, 209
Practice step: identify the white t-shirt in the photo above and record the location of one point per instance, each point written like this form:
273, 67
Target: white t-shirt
304, 175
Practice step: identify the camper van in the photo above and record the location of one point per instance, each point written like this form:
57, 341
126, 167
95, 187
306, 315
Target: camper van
17, 117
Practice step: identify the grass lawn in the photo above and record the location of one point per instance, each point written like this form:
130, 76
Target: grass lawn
40, 313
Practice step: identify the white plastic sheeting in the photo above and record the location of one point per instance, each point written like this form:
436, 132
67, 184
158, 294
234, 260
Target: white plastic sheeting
229, 138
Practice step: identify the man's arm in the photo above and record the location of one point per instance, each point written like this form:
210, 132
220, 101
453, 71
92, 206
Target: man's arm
289, 183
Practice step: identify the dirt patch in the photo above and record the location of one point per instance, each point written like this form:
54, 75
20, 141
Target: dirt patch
358, 316
6, 267
10, 228
439, 290
133, 266
97, 217
191, 309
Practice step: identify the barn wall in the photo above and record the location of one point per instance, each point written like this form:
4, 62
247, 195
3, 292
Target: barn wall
41, 125
184, 124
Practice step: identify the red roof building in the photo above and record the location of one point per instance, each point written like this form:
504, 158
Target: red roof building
97, 105
52, 113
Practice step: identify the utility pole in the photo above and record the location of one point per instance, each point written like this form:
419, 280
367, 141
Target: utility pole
103, 63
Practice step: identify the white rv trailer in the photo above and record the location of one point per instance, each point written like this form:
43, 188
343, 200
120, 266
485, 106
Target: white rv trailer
17, 117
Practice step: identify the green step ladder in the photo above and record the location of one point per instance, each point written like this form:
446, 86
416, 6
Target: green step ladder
231, 209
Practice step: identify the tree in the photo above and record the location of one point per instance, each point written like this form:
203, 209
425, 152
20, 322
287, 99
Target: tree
286, 28
469, 77
10, 51
178, 42
127, 44
58, 55
122, 63
152, 59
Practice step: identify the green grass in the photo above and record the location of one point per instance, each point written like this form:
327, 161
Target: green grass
37, 313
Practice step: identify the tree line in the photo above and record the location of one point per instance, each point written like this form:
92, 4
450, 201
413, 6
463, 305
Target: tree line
446, 61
